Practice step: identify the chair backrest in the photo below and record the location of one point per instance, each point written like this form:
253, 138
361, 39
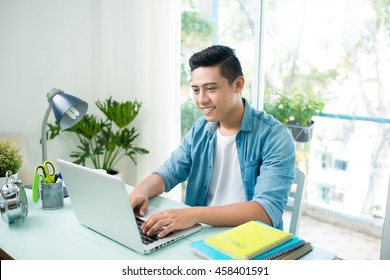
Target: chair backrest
294, 203
385, 246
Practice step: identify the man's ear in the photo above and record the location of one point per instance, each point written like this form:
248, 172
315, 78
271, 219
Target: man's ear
239, 84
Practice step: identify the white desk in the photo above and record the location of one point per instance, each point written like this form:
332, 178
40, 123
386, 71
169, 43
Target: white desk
56, 234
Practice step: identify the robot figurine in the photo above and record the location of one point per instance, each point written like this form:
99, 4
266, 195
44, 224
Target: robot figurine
13, 200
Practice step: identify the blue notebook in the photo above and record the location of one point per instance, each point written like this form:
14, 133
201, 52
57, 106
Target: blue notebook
206, 252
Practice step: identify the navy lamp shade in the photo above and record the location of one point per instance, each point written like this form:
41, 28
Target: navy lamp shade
68, 110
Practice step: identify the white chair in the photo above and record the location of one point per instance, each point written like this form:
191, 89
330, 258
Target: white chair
294, 203
385, 246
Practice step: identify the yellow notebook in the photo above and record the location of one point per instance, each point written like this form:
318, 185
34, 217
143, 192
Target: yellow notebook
248, 240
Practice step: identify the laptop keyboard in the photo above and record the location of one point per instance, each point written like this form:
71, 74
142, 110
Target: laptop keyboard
146, 239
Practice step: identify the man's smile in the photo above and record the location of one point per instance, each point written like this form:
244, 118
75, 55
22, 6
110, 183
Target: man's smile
207, 110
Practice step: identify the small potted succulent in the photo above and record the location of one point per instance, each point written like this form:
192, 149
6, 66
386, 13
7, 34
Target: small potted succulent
10, 159
295, 109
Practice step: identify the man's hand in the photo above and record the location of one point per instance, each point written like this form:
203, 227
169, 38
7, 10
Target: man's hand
151, 186
170, 220
227, 215
140, 201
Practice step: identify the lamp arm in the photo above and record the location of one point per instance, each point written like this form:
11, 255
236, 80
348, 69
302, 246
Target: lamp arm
43, 136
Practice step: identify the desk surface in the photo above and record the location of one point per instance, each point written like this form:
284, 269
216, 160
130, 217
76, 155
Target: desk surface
56, 234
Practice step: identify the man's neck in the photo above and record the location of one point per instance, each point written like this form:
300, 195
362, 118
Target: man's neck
232, 126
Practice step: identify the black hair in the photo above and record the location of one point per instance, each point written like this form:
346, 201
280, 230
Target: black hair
225, 57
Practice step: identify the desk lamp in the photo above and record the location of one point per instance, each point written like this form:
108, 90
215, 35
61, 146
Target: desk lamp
68, 110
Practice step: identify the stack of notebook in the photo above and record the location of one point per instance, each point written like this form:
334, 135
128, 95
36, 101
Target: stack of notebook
252, 240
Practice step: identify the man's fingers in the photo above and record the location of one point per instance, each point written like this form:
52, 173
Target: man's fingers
141, 203
143, 208
153, 224
167, 230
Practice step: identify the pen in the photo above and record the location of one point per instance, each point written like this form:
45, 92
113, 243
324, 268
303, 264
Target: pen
58, 177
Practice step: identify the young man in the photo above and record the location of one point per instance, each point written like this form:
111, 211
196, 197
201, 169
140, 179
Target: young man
239, 161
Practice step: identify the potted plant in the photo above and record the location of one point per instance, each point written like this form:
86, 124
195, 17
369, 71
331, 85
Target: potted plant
105, 141
295, 109
10, 159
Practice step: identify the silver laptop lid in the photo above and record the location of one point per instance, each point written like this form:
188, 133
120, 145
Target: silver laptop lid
100, 202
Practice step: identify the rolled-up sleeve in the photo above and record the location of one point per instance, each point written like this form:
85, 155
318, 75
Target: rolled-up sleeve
276, 173
176, 169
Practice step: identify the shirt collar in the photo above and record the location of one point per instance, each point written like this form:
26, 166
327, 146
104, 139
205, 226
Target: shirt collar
247, 120
246, 124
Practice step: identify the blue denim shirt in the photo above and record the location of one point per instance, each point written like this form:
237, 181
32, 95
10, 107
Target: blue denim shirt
266, 153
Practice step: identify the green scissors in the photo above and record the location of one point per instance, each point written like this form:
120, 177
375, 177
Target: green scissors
47, 171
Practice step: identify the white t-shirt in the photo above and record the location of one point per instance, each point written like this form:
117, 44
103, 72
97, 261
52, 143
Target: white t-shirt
226, 183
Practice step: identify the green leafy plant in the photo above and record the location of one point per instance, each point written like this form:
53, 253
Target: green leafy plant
105, 141
294, 107
10, 158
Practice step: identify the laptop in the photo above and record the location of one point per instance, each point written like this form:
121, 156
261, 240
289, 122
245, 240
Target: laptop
100, 202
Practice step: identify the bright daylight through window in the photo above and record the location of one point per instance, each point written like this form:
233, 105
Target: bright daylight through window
330, 56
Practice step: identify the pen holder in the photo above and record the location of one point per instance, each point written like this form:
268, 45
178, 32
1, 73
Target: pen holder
52, 195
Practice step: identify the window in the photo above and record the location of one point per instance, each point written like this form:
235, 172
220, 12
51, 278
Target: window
337, 51
334, 51
211, 22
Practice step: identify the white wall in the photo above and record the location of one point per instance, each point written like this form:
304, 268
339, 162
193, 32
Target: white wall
92, 49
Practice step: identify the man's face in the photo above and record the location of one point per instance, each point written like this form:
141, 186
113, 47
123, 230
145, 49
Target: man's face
213, 94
